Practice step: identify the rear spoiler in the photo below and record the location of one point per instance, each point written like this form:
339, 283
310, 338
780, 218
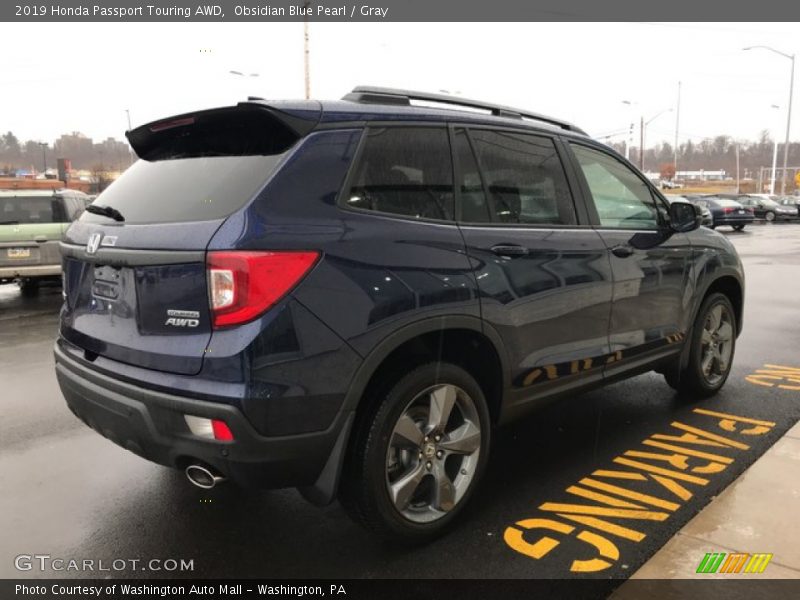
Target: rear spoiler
246, 129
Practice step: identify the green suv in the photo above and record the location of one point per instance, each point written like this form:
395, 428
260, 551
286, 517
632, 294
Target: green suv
31, 225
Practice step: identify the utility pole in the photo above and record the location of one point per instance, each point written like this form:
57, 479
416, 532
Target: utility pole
737, 166
677, 124
307, 6
44, 157
641, 143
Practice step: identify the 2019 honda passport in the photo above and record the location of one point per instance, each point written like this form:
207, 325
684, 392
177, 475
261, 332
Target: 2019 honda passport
348, 296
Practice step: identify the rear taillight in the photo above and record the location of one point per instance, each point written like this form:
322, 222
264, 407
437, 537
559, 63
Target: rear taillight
242, 285
727, 210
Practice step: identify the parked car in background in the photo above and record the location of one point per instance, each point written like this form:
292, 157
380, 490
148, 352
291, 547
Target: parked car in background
725, 211
32, 223
790, 201
705, 213
768, 209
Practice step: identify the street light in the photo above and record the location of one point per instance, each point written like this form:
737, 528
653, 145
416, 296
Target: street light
788, 111
774, 160
643, 125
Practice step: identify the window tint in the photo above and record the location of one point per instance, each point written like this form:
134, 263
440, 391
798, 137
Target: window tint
31, 209
185, 189
474, 208
622, 199
405, 171
524, 177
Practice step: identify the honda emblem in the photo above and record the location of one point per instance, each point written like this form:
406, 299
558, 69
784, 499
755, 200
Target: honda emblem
93, 243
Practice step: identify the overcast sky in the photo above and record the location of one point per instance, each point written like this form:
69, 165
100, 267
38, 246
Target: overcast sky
82, 76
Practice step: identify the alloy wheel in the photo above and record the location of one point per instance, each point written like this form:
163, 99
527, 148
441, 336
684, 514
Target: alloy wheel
716, 344
433, 453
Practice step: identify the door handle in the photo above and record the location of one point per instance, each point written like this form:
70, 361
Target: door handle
622, 251
509, 250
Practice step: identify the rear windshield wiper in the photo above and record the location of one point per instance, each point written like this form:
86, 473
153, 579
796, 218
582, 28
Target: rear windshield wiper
106, 211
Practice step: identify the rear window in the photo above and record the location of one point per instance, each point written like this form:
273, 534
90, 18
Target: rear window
31, 209
185, 189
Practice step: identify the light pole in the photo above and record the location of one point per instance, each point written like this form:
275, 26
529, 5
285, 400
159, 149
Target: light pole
128, 113
774, 160
788, 111
643, 126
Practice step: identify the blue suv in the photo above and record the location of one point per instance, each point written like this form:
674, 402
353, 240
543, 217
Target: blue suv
348, 297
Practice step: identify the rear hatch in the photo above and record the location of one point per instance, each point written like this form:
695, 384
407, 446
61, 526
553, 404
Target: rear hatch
31, 224
136, 289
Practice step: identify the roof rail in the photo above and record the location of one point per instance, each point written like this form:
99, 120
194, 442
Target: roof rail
380, 95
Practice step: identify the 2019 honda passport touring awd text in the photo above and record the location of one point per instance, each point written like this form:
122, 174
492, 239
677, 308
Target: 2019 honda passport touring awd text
347, 297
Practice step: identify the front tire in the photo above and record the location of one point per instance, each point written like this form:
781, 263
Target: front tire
713, 344
769, 216
418, 455
738, 227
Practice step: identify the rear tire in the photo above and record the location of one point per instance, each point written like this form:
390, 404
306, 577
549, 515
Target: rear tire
29, 287
713, 344
418, 455
769, 216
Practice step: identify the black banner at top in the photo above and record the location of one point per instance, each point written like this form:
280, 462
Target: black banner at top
396, 10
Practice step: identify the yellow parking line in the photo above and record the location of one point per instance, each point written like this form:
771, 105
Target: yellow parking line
668, 472
689, 451
646, 498
713, 413
590, 495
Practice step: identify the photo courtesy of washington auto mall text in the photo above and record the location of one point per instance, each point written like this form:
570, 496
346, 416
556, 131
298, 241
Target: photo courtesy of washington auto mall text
399, 299
157, 590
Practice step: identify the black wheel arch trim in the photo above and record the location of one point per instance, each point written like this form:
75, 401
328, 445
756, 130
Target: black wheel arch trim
325, 488
710, 281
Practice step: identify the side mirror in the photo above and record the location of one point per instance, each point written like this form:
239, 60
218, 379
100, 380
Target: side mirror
684, 216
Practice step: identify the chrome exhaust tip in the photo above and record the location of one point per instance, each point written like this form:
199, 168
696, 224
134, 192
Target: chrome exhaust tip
203, 477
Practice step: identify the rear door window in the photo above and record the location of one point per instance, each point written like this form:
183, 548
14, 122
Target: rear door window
524, 177
404, 171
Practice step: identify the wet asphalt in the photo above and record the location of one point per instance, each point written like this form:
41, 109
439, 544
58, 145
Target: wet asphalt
69, 493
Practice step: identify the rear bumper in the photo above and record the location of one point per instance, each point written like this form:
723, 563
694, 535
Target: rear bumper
15, 271
151, 424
